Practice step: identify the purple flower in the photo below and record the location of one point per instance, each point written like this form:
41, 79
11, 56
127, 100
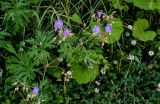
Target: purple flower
108, 28
66, 32
58, 24
100, 14
35, 90
96, 29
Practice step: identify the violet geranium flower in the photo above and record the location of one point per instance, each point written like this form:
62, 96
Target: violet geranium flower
35, 90
96, 29
58, 24
66, 32
100, 14
108, 28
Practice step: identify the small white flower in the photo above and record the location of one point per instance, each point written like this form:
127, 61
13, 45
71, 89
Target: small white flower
129, 27
158, 85
133, 42
150, 53
68, 76
0, 74
69, 73
130, 57
115, 62
60, 59
97, 83
96, 90
16, 88
22, 43
128, 34
21, 49
103, 71
69, 65
40, 43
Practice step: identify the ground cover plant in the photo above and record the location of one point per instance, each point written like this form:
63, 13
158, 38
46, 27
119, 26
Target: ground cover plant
80, 52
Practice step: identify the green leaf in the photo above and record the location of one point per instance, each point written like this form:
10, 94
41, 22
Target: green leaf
119, 4
83, 75
117, 29
139, 30
76, 18
8, 46
57, 73
146, 4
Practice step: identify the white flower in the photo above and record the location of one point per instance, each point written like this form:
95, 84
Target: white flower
133, 42
128, 34
60, 59
115, 62
40, 43
68, 76
158, 85
103, 71
21, 49
130, 57
129, 27
97, 83
69, 73
69, 65
151, 53
96, 90
22, 43
16, 88
0, 74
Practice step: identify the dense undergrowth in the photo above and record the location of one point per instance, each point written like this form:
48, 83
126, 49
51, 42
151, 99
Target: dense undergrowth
80, 51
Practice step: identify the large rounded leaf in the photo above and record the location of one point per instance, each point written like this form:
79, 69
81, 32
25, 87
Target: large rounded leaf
83, 75
117, 29
139, 30
147, 4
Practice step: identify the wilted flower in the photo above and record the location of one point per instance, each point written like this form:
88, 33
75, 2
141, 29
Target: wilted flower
96, 90
151, 53
150, 66
130, 57
35, 90
108, 28
133, 42
96, 29
100, 14
58, 24
66, 32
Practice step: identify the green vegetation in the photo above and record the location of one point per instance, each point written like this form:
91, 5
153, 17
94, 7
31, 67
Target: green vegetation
80, 52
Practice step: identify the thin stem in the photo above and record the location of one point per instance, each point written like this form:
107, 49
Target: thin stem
21, 95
